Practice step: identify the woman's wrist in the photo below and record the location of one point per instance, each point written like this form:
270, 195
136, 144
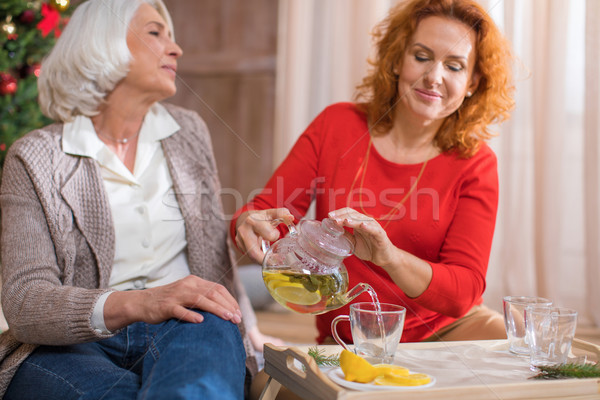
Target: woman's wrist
394, 260
410, 273
240, 219
120, 309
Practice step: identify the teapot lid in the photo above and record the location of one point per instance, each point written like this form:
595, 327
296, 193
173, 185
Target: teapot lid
328, 236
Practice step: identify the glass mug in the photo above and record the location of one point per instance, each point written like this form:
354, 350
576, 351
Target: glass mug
375, 334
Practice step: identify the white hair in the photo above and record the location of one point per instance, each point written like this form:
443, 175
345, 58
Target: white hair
90, 58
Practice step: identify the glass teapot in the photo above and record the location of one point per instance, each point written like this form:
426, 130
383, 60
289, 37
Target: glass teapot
304, 271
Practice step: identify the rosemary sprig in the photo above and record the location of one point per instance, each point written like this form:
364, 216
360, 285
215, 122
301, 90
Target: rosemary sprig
321, 359
566, 371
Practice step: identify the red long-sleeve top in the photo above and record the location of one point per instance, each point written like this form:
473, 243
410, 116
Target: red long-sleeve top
448, 220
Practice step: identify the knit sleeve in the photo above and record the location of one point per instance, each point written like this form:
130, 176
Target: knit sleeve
39, 307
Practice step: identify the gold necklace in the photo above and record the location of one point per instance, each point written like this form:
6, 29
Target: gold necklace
362, 172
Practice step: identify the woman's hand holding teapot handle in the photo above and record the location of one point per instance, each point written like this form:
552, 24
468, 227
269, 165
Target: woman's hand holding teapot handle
254, 226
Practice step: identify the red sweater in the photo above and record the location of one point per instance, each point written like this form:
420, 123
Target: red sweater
448, 220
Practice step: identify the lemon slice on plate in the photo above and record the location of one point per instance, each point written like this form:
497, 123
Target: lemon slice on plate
356, 368
383, 369
392, 379
297, 294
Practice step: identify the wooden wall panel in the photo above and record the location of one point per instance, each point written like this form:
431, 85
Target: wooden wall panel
239, 113
227, 74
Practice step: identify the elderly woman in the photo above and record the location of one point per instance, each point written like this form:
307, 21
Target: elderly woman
118, 281
407, 171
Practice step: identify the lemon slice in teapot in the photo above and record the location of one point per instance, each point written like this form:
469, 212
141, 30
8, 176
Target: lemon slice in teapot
296, 294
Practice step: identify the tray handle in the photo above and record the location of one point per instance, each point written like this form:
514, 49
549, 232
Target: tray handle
587, 346
307, 381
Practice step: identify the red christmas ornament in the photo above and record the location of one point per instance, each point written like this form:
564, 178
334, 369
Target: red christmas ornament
8, 84
27, 70
36, 69
50, 21
27, 17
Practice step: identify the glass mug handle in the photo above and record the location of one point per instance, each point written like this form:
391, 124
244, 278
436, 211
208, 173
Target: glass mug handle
265, 245
337, 337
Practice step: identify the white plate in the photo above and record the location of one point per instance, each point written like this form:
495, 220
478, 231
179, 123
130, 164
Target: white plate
337, 376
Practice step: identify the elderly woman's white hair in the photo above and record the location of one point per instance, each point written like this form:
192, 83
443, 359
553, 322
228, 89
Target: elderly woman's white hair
90, 58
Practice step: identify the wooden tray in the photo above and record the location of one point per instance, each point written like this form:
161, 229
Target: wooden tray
282, 364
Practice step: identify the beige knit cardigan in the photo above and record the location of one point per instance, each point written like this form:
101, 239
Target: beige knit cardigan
57, 238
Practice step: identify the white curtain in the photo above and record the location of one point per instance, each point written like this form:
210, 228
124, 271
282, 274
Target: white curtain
547, 239
323, 46
591, 174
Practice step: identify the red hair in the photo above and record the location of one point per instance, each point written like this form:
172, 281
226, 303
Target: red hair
491, 102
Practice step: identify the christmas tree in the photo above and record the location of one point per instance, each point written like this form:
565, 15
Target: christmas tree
28, 30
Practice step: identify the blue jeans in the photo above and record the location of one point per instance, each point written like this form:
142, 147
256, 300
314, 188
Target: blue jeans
171, 360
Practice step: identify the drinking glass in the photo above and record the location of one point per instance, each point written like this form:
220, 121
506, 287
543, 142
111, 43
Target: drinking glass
514, 321
551, 331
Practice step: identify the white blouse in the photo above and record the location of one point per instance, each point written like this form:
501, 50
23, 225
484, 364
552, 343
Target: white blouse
150, 238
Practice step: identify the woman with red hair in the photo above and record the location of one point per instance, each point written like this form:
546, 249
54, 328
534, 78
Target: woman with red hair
407, 171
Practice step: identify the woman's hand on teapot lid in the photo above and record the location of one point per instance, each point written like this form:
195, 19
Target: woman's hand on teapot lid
254, 226
371, 242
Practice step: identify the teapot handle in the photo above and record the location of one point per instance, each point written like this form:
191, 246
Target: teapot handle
265, 245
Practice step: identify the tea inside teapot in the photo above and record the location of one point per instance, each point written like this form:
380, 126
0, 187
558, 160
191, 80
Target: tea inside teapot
304, 271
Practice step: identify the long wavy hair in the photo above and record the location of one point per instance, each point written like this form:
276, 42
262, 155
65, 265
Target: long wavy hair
491, 102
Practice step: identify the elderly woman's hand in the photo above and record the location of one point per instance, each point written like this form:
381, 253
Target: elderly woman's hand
175, 300
371, 242
253, 226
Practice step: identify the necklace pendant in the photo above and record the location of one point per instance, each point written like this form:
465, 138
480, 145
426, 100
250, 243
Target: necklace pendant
124, 140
